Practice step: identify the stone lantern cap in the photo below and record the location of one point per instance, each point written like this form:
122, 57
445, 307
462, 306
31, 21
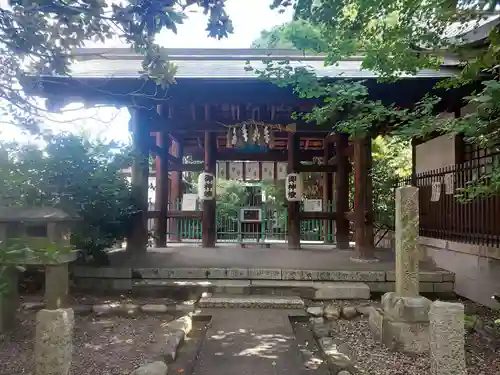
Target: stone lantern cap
35, 224
34, 214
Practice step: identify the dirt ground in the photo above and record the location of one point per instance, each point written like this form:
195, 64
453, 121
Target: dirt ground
117, 345
104, 346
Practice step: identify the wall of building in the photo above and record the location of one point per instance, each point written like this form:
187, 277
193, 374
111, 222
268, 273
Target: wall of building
476, 268
434, 154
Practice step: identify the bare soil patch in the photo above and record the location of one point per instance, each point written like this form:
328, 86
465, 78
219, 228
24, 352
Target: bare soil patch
102, 345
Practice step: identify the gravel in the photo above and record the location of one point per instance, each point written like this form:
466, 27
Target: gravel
372, 358
103, 346
117, 345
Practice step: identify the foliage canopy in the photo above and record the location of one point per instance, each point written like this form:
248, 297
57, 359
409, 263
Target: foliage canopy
39, 37
81, 177
393, 38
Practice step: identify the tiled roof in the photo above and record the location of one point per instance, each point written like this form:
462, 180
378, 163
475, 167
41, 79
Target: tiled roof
463, 33
222, 64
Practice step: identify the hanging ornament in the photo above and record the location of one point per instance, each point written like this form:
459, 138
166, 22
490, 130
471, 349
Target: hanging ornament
234, 140
244, 132
239, 140
251, 138
256, 135
267, 135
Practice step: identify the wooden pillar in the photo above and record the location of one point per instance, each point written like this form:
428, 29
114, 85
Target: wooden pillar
342, 191
137, 240
293, 207
327, 193
363, 205
209, 225
176, 196
162, 190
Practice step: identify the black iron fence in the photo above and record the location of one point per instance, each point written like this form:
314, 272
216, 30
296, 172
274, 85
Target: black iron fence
448, 212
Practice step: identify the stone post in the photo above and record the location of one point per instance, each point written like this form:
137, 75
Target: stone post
56, 286
447, 343
407, 248
403, 322
54, 342
57, 281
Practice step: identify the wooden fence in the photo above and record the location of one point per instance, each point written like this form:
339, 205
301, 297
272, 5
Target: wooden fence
447, 212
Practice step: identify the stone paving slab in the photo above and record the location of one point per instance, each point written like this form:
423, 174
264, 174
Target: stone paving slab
234, 257
249, 342
254, 301
252, 274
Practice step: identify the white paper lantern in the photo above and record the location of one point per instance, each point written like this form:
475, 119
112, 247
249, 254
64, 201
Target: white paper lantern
293, 187
206, 186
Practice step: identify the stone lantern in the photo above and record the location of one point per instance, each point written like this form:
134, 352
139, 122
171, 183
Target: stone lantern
50, 226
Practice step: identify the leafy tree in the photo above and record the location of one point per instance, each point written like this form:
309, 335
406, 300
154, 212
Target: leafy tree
391, 155
81, 177
231, 197
297, 34
395, 38
391, 161
39, 37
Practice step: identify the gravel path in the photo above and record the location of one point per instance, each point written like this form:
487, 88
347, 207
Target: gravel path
102, 346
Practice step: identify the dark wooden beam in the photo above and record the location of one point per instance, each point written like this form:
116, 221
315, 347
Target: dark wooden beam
316, 168
209, 226
137, 239
269, 155
364, 248
162, 190
222, 125
328, 191
347, 151
186, 167
293, 207
342, 190
176, 195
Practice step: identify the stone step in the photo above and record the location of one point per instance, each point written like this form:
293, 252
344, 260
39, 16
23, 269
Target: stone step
248, 302
321, 290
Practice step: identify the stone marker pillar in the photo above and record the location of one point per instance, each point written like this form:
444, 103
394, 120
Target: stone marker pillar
57, 281
56, 286
447, 343
403, 322
407, 246
54, 342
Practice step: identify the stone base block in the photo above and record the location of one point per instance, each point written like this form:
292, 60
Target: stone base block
252, 302
411, 338
406, 309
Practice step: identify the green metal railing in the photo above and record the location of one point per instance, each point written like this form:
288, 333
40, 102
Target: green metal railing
273, 225
317, 229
